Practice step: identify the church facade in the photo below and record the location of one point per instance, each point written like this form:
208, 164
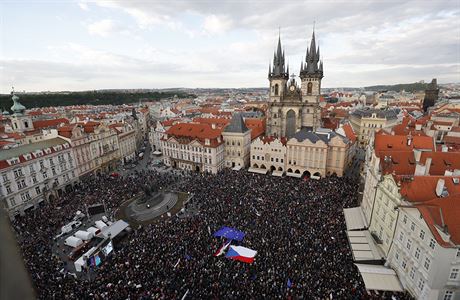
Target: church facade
292, 107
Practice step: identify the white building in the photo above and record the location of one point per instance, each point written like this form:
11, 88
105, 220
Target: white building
194, 147
33, 173
426, 248
268, 153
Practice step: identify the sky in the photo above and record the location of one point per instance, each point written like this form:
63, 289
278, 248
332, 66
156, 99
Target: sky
83, 45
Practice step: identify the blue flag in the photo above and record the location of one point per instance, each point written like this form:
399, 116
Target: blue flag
188, 257
289, 283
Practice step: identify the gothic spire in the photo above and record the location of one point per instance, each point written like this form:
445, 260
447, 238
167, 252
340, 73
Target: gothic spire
313, 45
279, 61
312, 59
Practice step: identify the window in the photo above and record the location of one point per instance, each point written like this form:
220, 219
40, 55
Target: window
432, 244
421, 284
422, 234
17, 173
401, 236
427, 263
454, 274
21, 184
412, 226
8, 189
309, 88
5, 177
12, 202
417, 253
448, 295
276, 89
405, 219
31, 168
412, 273
397, 256
37, 190
45, 175
404, 263
409, 244
458, 253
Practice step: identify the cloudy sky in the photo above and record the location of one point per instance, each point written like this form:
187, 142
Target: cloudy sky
80, 45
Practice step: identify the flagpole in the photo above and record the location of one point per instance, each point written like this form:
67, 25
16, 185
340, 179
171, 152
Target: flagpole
185, 295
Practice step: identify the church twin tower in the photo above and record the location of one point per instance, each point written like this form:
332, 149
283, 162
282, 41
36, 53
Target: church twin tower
290, 107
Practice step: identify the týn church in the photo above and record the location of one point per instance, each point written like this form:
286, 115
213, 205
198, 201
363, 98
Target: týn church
292, 108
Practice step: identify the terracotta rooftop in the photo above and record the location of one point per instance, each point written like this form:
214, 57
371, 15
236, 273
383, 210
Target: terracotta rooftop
39, 124
385, 142
423, 188
196, 131
442, 213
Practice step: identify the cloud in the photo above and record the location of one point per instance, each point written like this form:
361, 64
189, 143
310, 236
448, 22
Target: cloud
217, 24
230, 43
102, 28
83, 5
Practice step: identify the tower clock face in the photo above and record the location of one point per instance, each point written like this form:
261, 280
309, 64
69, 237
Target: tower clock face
292, 88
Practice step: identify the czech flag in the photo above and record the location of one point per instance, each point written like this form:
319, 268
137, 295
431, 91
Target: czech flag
241, 253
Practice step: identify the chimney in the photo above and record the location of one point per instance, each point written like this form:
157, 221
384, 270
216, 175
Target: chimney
213, 125
409, 140
427, 166
444, 148
440, 187
418, 127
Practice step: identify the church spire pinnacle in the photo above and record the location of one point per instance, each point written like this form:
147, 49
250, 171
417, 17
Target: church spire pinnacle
279, 63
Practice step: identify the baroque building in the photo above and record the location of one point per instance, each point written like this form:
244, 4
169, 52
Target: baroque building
292, 108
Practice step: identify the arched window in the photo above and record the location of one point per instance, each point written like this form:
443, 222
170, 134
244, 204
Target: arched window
309, 87
276, 90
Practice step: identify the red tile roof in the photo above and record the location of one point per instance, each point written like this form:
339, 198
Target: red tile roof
443, 213
39, 124
384, 142
349, 132
196, 131
269, 139
423, 188
257, 127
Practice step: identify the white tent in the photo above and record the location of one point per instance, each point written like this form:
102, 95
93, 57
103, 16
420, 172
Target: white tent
84, 235
73, 241
93, 230
379, 278
354, 218
100, 224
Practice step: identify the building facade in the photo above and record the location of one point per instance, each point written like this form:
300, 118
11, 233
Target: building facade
34, 173
194, 147
237, 141
366, 122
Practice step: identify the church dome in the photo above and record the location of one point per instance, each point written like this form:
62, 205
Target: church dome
17, 107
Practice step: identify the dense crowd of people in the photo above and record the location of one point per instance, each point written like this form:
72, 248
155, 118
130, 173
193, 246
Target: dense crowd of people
297, 228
